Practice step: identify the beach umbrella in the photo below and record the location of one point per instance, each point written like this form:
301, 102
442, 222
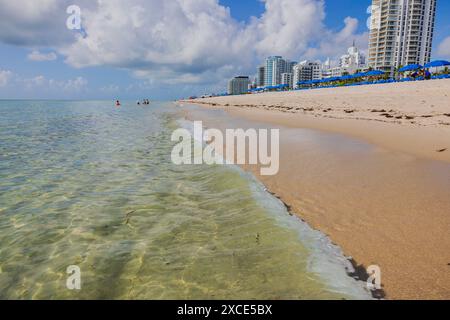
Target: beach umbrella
437, 63
347, 77
410, 67
375, 73
359, 75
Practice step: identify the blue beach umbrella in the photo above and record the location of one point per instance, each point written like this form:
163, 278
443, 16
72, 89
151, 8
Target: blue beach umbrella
437, 63
410, 67
347, 77
359, 75
375, 73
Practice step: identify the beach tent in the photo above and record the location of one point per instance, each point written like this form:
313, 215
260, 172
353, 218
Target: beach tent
410, 67
437, 63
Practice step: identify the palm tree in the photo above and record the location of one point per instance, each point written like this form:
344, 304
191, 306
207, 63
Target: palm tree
397, 72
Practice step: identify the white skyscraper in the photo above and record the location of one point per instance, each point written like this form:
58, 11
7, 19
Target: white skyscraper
275, 67
401, 33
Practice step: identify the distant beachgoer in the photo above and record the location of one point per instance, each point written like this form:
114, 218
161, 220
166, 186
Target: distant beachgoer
427, 75
117, 103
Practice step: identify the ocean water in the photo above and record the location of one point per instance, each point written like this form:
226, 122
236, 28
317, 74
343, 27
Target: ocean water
92, 185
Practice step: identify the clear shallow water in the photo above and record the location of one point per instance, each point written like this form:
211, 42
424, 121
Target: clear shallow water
88, 184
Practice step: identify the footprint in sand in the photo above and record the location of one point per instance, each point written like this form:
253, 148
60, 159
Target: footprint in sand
441, 150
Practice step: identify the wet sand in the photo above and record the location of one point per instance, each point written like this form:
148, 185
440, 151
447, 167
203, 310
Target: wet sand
407, 117
379, 189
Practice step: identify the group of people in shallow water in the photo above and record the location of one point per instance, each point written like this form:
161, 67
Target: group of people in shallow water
144, 102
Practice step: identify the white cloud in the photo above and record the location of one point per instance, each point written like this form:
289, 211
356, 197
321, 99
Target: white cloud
288, 26
37, 23
5, 76
334, 44
444, 48
35, 55
176, 41
37, 81
111, 88
51, 85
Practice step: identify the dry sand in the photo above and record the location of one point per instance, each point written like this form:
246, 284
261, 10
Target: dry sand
420, 109
380, 188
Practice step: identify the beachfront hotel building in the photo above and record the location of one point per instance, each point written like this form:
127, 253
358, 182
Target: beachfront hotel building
401, 33
239, 85
274, 68
353, 59
287, 79
306, 71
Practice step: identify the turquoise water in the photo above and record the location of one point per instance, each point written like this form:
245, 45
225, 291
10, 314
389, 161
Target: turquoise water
92, 185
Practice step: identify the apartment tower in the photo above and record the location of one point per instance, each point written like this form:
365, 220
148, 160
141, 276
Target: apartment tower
401, 33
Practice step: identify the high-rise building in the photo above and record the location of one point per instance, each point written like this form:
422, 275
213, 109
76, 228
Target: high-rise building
287, 78
275, 67
307, 71
261, 77
290, 66
401, 33
238, 85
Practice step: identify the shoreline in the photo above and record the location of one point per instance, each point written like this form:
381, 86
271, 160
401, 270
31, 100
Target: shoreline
372, 116
359, 273
401, 222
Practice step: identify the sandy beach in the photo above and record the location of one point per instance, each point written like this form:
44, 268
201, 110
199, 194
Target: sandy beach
368, 166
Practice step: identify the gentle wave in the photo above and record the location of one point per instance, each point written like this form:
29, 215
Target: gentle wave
88, 184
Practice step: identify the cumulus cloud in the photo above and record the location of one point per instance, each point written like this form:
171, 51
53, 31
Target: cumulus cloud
111, 88
176, 41
35, 55
287, 27
444, 48
334, 44
5, 76
42, 83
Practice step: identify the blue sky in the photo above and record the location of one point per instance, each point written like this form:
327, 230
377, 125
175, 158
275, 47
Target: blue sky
85, 70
